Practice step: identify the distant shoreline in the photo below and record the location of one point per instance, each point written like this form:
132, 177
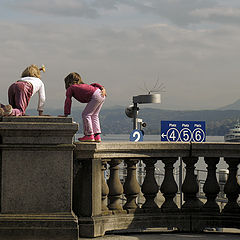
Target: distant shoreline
125, 137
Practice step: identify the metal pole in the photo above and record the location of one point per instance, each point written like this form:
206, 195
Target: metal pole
135, 108
180, 181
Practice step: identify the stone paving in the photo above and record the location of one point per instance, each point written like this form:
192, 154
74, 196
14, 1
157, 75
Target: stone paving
232, 234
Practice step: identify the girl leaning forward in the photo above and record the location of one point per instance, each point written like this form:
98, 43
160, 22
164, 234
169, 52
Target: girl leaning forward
94, 95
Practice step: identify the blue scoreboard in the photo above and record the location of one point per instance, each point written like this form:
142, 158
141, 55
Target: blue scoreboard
183, 131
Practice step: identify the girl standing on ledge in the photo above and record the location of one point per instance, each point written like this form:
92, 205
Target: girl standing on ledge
94, 96
20, 92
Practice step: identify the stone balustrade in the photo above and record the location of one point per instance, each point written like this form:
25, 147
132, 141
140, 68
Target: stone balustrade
53, 188
98, 200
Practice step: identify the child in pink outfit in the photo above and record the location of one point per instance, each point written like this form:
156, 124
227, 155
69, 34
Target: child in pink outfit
94, 96
20, 93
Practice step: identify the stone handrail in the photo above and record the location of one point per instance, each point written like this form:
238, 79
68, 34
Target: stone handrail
99, 206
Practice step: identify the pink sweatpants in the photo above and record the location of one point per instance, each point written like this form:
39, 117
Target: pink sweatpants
90, 114
19, 94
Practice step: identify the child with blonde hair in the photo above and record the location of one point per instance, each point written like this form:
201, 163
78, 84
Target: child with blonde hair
94, 95
20, 93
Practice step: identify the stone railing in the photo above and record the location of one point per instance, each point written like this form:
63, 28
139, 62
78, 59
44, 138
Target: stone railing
99, 206
53, 188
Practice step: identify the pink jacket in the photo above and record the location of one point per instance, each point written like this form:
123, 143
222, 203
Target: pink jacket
81, 92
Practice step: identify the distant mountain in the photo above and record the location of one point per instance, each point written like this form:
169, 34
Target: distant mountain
217, 121
114, 120
233, 106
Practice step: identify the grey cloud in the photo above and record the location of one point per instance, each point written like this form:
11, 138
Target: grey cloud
222, 15
106, 4
178, 12
175, 11
189, 12
73, 8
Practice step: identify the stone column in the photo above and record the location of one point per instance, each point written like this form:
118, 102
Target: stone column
105, 189
211, 187
150, 187
87, 194
115, 186
169, 186
232, 188
36, 178
190, 187
87, 187
131, 186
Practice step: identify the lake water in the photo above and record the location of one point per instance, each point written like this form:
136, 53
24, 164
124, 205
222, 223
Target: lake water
125, 137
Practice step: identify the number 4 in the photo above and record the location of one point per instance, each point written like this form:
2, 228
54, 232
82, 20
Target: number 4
172, 135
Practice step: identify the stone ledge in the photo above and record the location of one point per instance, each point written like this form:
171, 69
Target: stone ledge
98, 226
38, 226
48, 119
37, 130
212, 149
159, 150
31, 147
131, 150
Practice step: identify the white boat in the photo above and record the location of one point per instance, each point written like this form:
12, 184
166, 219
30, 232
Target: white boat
233, 134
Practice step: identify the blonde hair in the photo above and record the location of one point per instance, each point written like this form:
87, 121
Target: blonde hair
31, 71
72, 78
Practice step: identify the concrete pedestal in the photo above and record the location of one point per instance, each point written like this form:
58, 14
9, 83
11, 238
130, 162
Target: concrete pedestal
36, 178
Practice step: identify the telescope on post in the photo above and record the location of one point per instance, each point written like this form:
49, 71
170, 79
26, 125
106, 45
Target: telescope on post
132, 110
153, 96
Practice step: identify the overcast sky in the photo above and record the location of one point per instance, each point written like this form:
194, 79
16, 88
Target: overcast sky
192, 47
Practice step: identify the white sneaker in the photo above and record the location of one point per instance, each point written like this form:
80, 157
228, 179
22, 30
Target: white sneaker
5, 110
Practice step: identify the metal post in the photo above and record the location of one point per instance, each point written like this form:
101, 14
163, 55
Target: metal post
180, 181
135, 113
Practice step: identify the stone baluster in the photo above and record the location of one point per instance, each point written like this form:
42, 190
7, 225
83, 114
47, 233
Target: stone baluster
232, 188
115, 186
131, 186
169, 187
149, 186
211, 187
190, 187
105, 189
